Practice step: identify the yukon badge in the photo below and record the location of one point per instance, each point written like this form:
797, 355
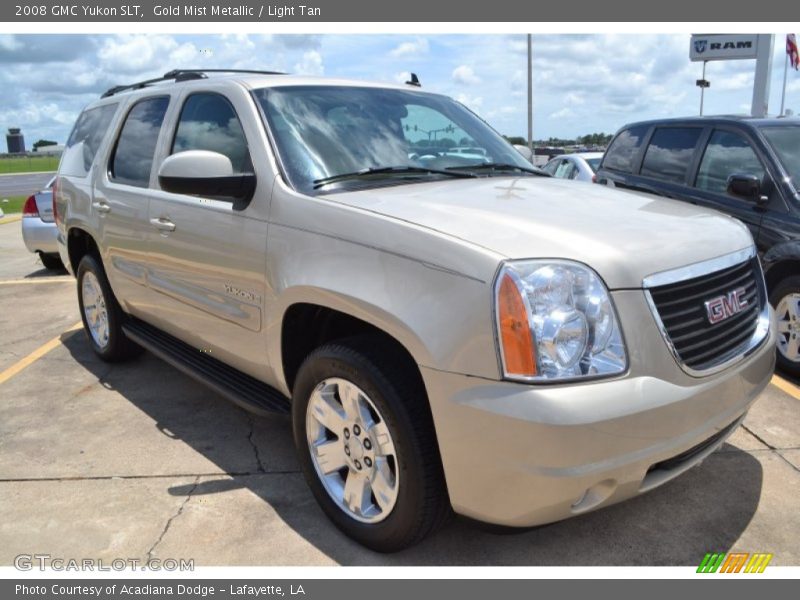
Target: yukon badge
725, 306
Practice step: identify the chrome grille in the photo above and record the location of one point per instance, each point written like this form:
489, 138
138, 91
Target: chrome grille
681, 310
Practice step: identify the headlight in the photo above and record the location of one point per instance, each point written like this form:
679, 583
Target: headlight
555, 320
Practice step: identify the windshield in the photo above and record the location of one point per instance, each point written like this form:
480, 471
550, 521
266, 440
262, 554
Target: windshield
325, 131
785, 141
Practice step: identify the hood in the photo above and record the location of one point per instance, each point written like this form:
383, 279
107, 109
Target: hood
622, 235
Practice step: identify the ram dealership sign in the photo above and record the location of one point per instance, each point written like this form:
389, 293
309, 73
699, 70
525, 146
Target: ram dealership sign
722, 47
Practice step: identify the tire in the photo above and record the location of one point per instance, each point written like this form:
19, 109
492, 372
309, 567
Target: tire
51, 262
785, 299
405, 470
101, 313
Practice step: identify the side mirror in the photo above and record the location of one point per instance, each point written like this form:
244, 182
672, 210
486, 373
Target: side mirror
746, 186
205, 173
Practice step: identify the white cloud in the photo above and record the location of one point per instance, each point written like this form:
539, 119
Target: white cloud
9, 42
311, 64
563, 113
465, 75
473, 102
401, 77
418, 46
131, 54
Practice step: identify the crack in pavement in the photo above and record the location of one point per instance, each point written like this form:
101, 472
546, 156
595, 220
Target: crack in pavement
758, 437
172, 518
772, 448
250, 439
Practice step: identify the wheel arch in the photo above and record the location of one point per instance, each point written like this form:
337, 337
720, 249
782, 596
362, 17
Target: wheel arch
80, 243
305, 324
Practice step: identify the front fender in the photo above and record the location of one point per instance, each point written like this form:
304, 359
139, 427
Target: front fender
443, 319
783, 251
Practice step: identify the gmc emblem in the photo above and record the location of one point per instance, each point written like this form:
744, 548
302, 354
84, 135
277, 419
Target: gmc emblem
725, 306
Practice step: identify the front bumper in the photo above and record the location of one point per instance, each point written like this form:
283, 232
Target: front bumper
39, 236
523, 455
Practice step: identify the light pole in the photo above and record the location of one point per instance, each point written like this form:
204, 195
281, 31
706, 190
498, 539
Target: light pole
703, 84
530, 97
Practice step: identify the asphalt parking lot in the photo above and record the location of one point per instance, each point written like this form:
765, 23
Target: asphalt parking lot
136, 460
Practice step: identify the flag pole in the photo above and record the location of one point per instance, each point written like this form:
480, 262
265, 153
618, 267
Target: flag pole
783, 92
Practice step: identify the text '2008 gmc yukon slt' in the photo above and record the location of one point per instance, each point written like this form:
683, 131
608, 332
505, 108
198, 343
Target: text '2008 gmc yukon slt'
447, 332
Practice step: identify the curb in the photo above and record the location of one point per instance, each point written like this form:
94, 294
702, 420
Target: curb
28, 173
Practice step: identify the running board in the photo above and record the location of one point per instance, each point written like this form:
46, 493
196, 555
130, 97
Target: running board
240, 388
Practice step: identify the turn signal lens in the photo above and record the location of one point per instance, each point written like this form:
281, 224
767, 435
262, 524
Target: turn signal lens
515, 330
556, 321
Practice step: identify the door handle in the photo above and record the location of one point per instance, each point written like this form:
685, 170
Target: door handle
102, 207
163, 224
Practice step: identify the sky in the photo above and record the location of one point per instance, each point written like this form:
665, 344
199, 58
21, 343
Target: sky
582, 83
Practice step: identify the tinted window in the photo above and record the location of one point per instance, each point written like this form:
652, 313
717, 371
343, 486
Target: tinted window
623, 149
786, 143
670, 152
208, 122
727, 153
136, 146
593, 163
85, 140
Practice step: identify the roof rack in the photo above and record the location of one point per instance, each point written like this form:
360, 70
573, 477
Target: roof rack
178, 75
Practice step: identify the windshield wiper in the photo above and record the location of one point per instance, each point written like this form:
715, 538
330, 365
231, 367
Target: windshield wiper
388, 171
500, 167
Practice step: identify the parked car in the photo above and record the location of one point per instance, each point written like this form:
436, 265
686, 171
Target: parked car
579, 166
746, 167
445, 334
39, 229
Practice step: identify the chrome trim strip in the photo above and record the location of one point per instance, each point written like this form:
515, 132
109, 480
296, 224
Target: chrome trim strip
734, 355
698, 269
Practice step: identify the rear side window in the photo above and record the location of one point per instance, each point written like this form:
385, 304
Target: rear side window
136, 146
85, 140
670, 152
566, 170
209, 122
623, 149
727, 153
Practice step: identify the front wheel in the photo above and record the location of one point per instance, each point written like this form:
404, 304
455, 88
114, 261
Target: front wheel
367, 447
785, 298
101, 314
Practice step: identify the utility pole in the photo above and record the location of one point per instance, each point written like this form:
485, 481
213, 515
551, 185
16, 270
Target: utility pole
530, 98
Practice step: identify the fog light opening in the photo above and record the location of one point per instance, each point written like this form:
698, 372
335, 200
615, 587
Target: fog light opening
594, 496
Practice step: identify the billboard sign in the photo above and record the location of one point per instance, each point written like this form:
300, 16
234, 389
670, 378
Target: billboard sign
722, 47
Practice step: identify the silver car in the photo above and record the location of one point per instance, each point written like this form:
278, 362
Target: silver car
579, 166
445, 333
39, 230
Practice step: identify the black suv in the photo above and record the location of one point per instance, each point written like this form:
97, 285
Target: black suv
746, 167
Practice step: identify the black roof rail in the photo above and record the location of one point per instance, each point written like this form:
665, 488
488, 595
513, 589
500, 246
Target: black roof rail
181, 75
